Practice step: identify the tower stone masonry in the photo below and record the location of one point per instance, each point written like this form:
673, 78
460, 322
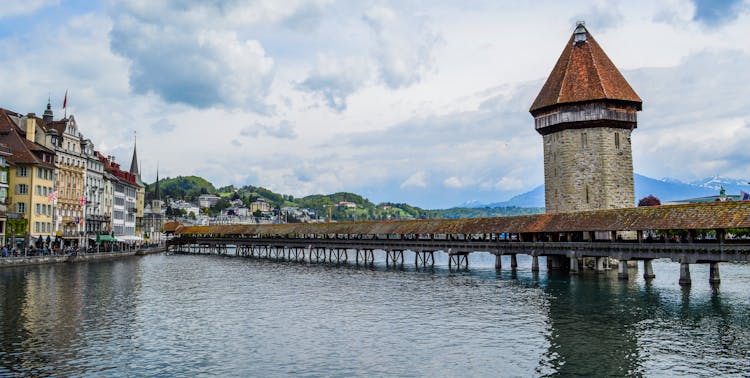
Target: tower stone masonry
585, 113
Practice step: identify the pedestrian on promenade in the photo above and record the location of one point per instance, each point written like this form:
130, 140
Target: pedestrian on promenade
5, 251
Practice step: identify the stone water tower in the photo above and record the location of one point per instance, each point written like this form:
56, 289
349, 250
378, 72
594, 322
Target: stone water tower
585, 113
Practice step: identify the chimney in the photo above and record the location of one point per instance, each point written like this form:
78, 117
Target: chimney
30, 126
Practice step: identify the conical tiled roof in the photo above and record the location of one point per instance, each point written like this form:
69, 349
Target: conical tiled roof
584, 73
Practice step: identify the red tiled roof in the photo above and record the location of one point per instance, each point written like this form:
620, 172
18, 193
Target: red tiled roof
22, 149
584, 73
114, 169
694, 216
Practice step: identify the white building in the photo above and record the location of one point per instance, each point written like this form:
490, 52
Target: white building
207, 200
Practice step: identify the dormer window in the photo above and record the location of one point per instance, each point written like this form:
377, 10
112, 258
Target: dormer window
579, 35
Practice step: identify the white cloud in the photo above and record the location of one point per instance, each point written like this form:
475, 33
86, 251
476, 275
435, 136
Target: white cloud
405, 45
282, 130
457, 183
21, 7
416, 180
336, 79
162, 126
190, 64
428, 106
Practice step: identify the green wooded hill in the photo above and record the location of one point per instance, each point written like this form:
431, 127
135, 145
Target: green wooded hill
188, 188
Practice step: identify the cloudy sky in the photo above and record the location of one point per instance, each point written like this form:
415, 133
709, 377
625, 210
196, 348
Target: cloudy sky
408, 101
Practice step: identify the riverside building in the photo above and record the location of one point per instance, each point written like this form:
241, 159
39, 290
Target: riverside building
31, 178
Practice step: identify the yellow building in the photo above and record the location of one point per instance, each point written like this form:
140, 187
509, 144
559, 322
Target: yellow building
31, 177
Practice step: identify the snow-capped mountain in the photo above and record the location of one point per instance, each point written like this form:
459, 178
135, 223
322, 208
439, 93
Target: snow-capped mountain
666, 189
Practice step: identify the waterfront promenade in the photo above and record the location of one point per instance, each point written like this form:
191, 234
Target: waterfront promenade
11, 261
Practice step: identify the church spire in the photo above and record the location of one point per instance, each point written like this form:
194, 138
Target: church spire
156, 191
47, 117
134, 162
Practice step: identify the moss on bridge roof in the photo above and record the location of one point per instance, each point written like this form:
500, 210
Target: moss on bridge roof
717, 215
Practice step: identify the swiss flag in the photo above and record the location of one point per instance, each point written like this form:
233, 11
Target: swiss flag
83, 200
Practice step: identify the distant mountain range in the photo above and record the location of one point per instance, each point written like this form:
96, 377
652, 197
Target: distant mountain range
665, 189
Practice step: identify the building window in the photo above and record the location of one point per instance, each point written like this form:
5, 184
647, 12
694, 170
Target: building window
22, 172
22, 189
587, 194
21, 207
584, 141
617, 141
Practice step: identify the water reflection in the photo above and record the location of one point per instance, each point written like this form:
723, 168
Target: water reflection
601, 326
181, 315
47, 313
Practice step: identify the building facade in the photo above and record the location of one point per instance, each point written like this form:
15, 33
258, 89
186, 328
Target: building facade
585, 113
96, 217
71, 163
31, 180
4, 154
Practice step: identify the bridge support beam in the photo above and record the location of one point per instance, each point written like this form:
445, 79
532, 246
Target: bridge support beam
555, 262
534, 263
713, 273
513, 262
648, 269
459, 259
498, 262
573, 263
684, 272
424, 257
599, 265
622, 270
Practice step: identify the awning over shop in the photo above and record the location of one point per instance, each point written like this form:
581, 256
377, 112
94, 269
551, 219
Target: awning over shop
105, 238
128, 238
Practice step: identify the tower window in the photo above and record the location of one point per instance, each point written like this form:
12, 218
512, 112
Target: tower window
617, 140
587, 194
584, 141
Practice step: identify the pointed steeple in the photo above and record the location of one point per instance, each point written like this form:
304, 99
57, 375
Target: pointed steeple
134, 162
47, 117
156, 190
584, 73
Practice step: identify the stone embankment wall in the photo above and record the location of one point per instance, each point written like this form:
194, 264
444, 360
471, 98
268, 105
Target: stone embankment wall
40, 260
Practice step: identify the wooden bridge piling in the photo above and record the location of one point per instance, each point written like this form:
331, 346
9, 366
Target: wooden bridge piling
684, 272
622, 270
648, 269
713, 273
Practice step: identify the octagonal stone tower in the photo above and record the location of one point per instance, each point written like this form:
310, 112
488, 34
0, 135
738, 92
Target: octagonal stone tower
585, 113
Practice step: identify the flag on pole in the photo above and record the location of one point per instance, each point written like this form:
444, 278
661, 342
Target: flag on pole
65, 100
744, 196
52, 197
82, 200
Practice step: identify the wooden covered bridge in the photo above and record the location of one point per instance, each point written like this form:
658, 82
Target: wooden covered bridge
688, 234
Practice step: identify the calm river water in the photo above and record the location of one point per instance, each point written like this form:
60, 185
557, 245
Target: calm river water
165, 315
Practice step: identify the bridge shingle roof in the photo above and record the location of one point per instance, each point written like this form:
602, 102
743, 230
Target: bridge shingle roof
693, 216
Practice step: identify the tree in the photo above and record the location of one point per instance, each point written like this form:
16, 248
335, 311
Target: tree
649, 201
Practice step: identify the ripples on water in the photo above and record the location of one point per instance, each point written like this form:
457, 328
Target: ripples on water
206, 315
